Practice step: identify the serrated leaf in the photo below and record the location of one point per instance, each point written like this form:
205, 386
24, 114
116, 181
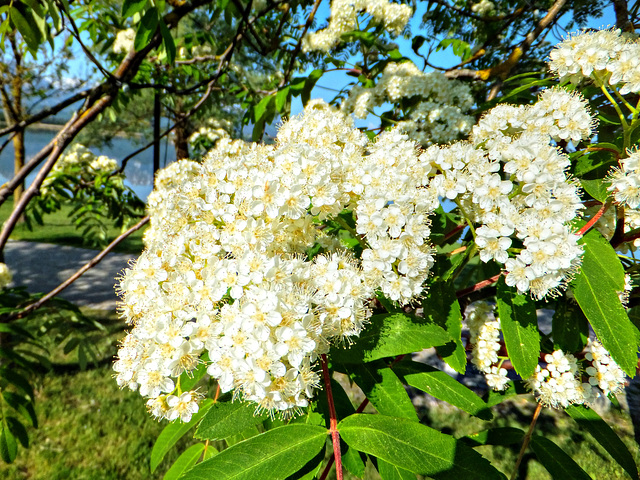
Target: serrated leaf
383, 389
389, 335
17, 380
519, 324
555, 460
392, 472
443, 387
274, 454
146, 29
131, 7
226, 419
605, 436
494, 436
442, 308
596, 290
17, 428
8, 444
172, 433
414, 447
261, 109
185, 461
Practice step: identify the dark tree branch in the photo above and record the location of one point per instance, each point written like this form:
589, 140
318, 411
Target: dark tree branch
622, 15
296, 51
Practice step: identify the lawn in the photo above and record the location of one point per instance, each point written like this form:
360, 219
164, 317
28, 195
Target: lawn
58, 228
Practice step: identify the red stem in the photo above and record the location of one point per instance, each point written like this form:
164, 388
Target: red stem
478, 286
333, 420
593, 220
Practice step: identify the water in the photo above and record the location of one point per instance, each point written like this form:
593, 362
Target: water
139, 170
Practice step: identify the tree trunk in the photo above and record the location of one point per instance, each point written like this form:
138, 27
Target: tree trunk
181, 142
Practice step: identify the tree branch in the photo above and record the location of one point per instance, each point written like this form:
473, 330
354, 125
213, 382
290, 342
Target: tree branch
89, 265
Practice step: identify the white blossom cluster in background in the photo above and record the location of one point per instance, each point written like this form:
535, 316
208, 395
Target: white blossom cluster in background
483, 7
484, 330
124, 41
225, 271
561, 384
5, 275
605, 56
80, 159
513, 183
209, 134
440, 114
344, 18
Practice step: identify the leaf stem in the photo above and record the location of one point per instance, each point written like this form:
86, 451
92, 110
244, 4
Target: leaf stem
526, 440
352, 231
333, 421
478, 286
593, 220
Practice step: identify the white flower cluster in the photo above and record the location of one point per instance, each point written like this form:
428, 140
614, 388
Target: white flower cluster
484, 330
5, 275
214, 130
606, 56
625, 181
227, 272
440, 113
80, 158
560, 383
483, 7
511, 181
124, 41
604, 372
344, 18
166, 181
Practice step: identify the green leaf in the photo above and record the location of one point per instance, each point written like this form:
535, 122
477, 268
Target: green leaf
392, 472
24, 24
226, 419
605, 436
555, 460
443, 387
309, 83
131, 7
17, 380
414, 447
389, 335
597, 188
281, 99
519, 324
22, 405
494, 436
172, 433
442, 308
146, 29
383, 389
595, 289
8, 444
168, 42
262, 108
35, 6
186, 460
274, 454
570, 328
18, 430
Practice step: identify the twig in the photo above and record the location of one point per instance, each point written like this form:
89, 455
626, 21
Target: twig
478, 286
87, 266
526, 440
333, 421
593, 220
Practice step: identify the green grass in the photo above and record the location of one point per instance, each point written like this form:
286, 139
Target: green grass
59, 229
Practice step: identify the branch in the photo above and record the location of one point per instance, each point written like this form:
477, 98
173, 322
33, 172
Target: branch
298, 47
89, 265
622, 15
502, 70
333, 420
475, 16
41, 115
